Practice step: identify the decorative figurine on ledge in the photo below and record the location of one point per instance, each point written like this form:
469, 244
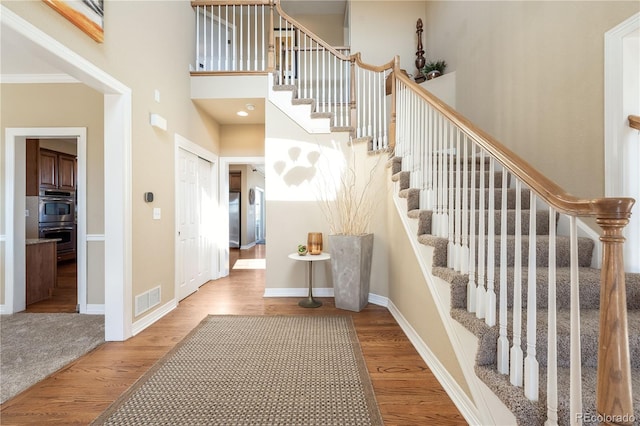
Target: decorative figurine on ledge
420, 61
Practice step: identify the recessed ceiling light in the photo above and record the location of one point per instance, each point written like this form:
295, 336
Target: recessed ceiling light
251, 107
242, 113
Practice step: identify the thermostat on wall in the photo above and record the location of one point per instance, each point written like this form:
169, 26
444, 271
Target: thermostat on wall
148, 197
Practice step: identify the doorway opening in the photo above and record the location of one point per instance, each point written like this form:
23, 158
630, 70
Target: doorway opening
51, 202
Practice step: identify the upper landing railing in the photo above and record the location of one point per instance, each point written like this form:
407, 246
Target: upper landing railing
257, 37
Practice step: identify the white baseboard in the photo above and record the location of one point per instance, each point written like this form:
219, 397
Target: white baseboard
378, 300
94, 309
4, 310
458, 396
247, 246
154, 316
318, 292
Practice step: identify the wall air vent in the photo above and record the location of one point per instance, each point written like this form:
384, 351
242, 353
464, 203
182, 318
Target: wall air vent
147, 300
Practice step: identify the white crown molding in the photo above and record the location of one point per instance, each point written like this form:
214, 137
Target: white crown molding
37, 79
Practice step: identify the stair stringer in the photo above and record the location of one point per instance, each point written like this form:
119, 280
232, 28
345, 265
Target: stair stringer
300, 113
485, 408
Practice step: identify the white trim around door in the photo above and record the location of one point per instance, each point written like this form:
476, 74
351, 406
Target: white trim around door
15, 148
117, 164
223, 203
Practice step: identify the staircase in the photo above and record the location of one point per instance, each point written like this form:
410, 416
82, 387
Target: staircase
479, 223
529, 412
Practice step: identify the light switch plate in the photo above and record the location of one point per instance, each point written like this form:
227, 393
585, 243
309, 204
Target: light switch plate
26, 213
156, 213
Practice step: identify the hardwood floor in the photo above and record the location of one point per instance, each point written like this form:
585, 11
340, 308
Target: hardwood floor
406, 390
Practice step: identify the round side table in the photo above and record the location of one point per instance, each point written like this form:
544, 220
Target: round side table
310, 302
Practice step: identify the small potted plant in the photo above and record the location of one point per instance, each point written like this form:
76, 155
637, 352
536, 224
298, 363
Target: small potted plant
434, 69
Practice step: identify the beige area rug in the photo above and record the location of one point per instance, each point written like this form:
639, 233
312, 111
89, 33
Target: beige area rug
255, 370
250, 264
32, 346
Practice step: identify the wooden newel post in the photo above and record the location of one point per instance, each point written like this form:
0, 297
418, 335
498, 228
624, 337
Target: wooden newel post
614, 400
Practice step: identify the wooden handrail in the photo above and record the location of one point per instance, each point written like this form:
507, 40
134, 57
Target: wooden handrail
548, 190
357, 58
634, 121
310, 33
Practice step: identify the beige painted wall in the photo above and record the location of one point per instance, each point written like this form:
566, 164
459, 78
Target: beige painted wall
328, 27
409, 293
382, 29
63, 105
532, 75
242, 140
294, 166
140, 52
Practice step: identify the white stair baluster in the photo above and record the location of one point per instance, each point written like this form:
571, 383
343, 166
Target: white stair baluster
481, 301
516, 365
490, 314
464, 249
444, 220
241, 57
458, 206
473, 292
530, 362
451, 188
503, 340
428, 170
552, 348
575, 373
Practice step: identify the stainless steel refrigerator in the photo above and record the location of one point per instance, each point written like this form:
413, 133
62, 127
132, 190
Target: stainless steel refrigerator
234, 219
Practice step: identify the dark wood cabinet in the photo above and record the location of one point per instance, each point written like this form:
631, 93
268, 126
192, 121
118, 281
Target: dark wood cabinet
57, 170
41, 270
48, 169
66, 172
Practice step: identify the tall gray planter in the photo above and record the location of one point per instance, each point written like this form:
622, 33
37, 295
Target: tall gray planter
351, 270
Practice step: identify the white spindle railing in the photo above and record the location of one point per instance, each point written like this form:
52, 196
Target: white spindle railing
236, 38
485, 238
231, 37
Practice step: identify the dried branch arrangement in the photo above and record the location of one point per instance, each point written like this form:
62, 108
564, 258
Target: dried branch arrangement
349, 210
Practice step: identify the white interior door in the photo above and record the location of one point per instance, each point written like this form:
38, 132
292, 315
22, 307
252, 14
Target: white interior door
188, 223
205, 216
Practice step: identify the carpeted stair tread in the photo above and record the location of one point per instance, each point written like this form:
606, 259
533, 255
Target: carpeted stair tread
402, 178
588, 278
589, 321
511, 198
585, 249
535, 412
396, 165
542, 222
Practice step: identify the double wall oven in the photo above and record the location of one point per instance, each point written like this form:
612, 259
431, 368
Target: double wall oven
57, 219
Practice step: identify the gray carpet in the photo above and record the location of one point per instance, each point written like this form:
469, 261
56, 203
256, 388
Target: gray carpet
32, 346
263, 370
